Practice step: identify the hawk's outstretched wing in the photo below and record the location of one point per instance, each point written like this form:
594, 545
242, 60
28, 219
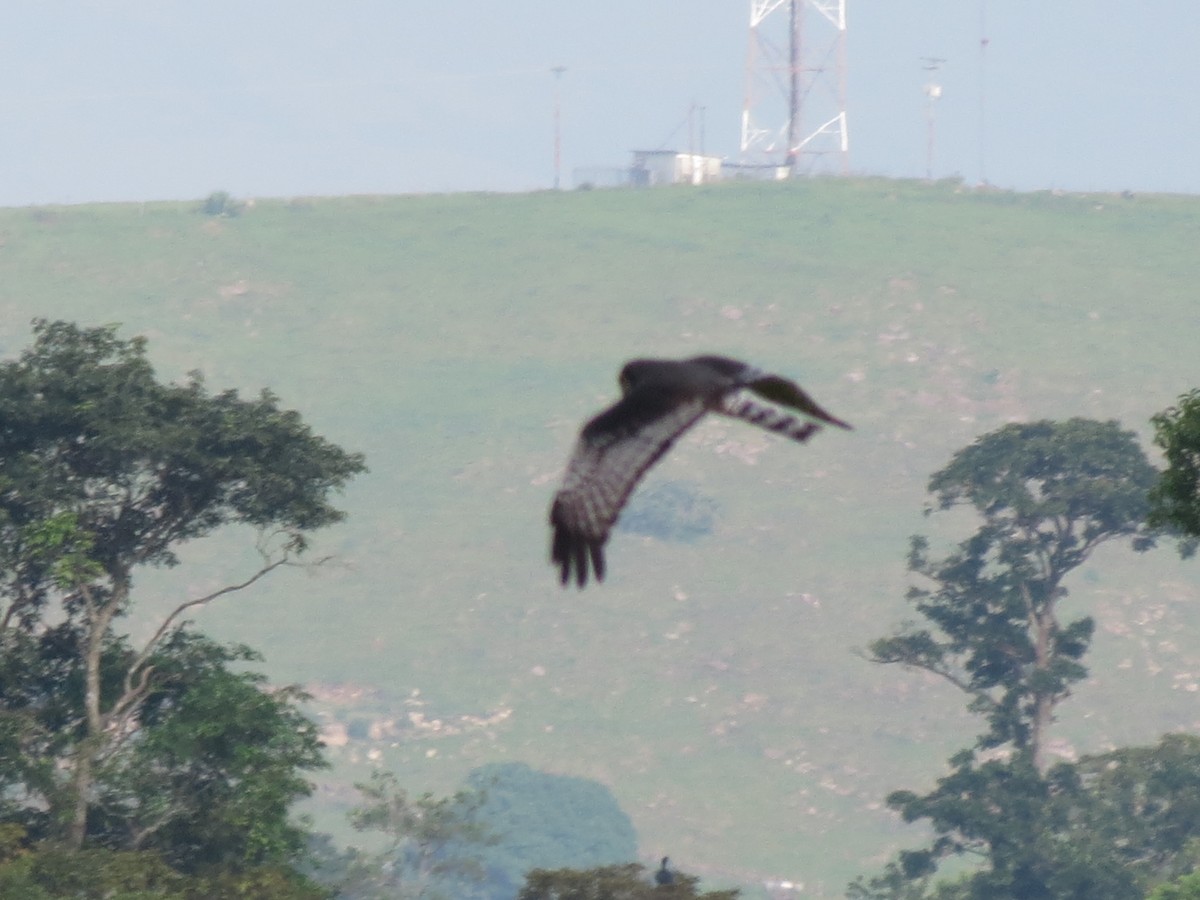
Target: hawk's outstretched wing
614, 450
662, 399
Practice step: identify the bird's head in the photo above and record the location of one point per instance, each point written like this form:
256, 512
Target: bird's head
633, 372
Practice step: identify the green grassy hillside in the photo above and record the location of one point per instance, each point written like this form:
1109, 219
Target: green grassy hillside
459, 341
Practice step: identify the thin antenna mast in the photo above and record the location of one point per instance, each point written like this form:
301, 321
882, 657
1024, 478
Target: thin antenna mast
558, 72
794, 98
933, 92
984, 40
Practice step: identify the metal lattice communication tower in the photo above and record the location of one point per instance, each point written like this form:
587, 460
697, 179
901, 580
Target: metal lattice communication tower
794, 114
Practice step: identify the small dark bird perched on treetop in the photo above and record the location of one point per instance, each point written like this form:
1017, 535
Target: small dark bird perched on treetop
664, 876
661, 399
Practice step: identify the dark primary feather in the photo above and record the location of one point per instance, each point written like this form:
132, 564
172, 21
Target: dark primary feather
788, 393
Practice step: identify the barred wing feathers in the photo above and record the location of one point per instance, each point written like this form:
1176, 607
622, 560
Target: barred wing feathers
613, 453
749, 410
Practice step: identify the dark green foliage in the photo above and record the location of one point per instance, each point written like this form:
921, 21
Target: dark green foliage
104, 470
218, 765
221, 203
48, 872
1176, 497
142, 466
208, 777
433, 850
40, 693
1024, 826
480, 843
630, 881
1048, 494
895, 883
1143, 804
258, 883
1089, 476
1185, 888
669, 511
1105, 828
546, 821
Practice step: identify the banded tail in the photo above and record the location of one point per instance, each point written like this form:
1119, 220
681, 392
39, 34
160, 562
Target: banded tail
749, 410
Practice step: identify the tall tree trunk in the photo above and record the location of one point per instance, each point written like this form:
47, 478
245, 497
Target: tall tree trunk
1044, 624
1043, 715
81, 786
100, 613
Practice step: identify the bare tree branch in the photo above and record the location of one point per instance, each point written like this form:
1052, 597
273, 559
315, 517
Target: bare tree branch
267, 568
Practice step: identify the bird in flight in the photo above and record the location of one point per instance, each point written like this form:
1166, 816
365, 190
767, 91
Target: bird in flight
661, 399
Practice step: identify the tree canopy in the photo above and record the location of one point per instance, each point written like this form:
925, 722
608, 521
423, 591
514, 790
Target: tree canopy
481, 842
629, 881
548, 821
194, 801
433, 849
1176, 497
1108, 827
104, 470
1047, 494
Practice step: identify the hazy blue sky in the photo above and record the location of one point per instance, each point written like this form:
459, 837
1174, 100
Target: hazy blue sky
150, 99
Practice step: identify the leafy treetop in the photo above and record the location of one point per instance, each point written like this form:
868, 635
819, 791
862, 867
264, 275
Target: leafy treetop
85, 426
1048, 493
104, 469
1176, 497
